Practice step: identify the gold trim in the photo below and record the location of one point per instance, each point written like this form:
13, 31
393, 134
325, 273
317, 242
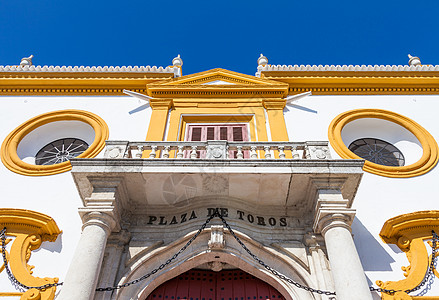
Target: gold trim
429, 157
215, 74
10, 294
46, 83
191, 99
408, 232
357, 82
191, 86
30, 229
11, 160
293, 82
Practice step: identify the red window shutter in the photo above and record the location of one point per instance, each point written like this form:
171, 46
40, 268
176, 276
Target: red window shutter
237, 134
196, 134
210, 133
223, 132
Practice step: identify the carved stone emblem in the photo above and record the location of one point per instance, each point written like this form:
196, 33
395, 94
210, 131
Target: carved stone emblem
216, 150
216, 241
216, 183
216, 266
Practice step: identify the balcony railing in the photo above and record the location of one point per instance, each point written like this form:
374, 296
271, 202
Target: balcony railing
217, 150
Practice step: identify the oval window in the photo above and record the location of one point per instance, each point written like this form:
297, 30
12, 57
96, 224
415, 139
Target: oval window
60, 151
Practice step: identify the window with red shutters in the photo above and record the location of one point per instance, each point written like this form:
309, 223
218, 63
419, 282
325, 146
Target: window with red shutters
212, 132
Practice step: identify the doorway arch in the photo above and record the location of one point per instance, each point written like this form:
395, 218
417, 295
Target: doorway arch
197, 284
199, 253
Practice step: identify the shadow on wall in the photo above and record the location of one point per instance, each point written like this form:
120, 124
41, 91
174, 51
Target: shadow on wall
301, 108
52, 246
373, 256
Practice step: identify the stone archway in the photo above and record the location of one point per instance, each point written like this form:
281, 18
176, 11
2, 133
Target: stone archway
201, 256
197, 284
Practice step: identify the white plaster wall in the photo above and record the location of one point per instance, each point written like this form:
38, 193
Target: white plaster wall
56, 195
378, 198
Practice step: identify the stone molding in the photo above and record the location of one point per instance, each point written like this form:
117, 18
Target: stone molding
104, 220
104, 206
332, 211
331, 218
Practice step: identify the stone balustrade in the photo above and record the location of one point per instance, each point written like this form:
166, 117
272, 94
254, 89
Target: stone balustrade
217, 150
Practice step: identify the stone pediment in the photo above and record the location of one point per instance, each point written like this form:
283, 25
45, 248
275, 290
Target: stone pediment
217, 83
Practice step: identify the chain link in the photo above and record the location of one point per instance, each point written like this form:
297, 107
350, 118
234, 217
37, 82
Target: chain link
427, 275
257, 259
11, 276
162, 266
268, 268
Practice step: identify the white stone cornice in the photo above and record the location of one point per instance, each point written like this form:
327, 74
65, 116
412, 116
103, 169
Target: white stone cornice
91, 69
342, 68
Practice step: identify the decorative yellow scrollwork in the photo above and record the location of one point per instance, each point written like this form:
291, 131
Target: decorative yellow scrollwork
30, 229
408, 232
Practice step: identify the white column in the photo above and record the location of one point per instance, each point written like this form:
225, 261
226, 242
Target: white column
82, 276
347, 271
333, 220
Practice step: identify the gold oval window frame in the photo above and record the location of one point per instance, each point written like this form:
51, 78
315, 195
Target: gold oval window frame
9, 154
429, 146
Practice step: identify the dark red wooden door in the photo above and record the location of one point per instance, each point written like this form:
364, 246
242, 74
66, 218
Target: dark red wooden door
209, 285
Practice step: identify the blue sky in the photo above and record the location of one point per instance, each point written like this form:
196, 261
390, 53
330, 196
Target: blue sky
210, 34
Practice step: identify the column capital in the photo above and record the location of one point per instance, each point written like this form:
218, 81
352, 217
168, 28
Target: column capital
104, 206
274, 103
330, 218
160, 104
103, 219
332, 211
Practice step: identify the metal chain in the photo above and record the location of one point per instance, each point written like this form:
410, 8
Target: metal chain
267, 267
427, 275
162, 266
11, 276
261, 262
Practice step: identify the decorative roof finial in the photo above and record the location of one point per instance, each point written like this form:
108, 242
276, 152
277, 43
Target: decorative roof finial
177, 61
26, 61
414, 60
262, 60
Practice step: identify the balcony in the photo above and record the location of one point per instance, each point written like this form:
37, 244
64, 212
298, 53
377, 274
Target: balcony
218, 150
283, 175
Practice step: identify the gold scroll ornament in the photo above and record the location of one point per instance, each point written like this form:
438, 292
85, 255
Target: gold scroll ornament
30, 229
408, 232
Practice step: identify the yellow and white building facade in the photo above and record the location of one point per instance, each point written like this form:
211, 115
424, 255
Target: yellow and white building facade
309, 182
